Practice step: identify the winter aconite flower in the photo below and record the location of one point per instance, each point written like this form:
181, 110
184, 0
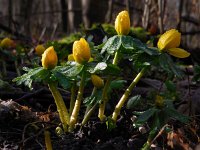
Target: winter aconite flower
159, 102
122, 23
170, 41
7, 43
81, 51
39, 49
97, 81
49, 58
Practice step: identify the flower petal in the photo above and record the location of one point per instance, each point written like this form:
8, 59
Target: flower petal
170, 39
178, 52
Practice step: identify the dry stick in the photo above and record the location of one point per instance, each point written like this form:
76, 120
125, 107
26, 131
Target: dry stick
17, 69
109, 12
180, 9
145, 17
159, 133
160, 13
61, 107
104, 99
126, 95
54, 31
75, 112
4, 70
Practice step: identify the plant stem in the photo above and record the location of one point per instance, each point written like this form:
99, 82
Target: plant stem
17, 68
75, 112
105, 90
72, 99
92, 95
47, 140
126, 94
61, 107
88, 114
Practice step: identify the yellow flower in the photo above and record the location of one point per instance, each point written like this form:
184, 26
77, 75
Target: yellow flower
81, 51
97, 81
39, 49
7, 43
70, 57
169, 41
49, 58
159, 102
122, 23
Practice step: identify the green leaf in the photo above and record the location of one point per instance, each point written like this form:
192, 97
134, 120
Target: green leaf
117, 84
112, 45
170, 86
99, 67
133, 101
33, 74
62, 80
91, 100
70, 70
110, 124
133, 45
196, 73
176, 115
145, 116
168, 65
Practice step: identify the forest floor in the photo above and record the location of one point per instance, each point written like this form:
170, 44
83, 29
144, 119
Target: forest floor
24, 119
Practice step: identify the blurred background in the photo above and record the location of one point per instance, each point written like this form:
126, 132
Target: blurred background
53, 18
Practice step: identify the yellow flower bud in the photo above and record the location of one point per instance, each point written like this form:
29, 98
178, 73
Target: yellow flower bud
39, 49
81, 51
170, 39
49, 58
122, 23
71, 57
7, 43
159, 102
97, 81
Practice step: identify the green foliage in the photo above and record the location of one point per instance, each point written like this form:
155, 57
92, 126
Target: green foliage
133, 102
196, 73
69, 70
169, 66
37, 74
94, 98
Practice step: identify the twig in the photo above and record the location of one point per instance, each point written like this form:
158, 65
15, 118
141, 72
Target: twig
160, 14
159, 133
42, 34
145, 17
54, 31
180, 14
109, 12
29, 95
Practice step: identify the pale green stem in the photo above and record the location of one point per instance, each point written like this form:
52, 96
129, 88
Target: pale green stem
47, 138
73, 97
126, 94
61, 107
92, 95
90, 109
105, 90
75, 112
89, 113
